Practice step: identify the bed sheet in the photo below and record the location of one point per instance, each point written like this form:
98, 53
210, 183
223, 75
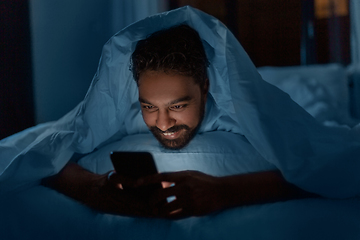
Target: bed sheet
42, 213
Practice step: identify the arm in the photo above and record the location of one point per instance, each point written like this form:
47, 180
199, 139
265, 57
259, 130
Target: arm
96, 191
77, 183
199, 194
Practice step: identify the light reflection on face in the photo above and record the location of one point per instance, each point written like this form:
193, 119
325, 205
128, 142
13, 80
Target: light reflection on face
172, 106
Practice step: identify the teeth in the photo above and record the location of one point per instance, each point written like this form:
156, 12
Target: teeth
168, 134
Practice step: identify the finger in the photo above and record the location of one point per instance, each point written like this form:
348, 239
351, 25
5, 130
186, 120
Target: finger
167, 184
111, 191
131, 205
172, 177
162, 194
150, 179
113, 179
179, 215
121, 197
118, 180
174, 210
171, 208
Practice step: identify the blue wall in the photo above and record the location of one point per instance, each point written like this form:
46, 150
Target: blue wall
67, 38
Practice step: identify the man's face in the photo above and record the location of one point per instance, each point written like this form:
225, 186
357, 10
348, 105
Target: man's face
172, 106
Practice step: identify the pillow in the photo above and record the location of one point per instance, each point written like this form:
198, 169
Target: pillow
216, 153
322, 90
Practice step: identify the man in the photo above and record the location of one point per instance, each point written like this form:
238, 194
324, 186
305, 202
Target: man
170, 69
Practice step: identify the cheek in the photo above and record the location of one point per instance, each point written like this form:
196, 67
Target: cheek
148, 118
191, 118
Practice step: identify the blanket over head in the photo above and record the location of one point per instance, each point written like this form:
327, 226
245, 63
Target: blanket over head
316, 158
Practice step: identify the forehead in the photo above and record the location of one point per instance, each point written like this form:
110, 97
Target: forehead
158, 85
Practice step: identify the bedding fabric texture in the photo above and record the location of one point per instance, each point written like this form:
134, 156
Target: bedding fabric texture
314, 157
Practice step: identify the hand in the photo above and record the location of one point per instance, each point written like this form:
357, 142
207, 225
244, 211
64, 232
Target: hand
97, 191
196, 193
199, 194
108, 196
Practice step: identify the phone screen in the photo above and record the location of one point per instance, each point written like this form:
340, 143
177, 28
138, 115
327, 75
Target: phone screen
135, 165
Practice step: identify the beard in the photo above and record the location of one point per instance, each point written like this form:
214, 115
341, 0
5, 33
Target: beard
177, 143
186, 136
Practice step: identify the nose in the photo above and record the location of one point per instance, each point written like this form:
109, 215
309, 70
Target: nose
164, 120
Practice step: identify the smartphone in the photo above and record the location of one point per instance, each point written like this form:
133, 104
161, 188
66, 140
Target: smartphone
135, 165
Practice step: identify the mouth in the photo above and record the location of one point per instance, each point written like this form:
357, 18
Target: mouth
172, 135
175, 137
168, 134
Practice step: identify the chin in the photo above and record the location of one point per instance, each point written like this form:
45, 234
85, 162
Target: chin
176, 144
172, 145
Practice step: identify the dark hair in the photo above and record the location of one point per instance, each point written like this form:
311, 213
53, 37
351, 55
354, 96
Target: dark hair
175, 50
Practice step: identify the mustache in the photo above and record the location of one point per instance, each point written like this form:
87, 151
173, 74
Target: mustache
176, 128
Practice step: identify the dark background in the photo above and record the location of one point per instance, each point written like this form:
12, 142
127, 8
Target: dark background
16, 99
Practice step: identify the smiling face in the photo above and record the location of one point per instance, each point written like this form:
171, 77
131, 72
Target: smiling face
172, 106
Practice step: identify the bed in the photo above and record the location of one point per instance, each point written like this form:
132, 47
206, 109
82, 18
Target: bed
42, 213
31, 211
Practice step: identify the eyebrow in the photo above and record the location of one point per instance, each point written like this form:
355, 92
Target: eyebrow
182, 99
144, 101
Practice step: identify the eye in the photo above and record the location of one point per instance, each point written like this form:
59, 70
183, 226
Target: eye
178, 107
149, 108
